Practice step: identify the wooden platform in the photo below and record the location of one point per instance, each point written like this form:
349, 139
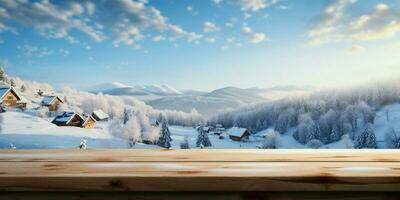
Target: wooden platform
222, 172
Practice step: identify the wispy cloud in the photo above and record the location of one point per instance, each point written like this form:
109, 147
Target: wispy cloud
249, 5
356, 49
127, 20
254, 36
337, 25
34, 51
210, 27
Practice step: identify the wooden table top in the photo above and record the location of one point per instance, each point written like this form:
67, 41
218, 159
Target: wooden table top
199, 170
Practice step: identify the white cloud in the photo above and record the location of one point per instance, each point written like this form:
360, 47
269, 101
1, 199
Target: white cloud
229, 25
210, 27
356, 49
90, 7
191, 10
283, 7
246, 29
64, 52
51, 21
34, 51
254, 37
158, 38
333, 27
249, 5
210, 40
258, 37
127, 20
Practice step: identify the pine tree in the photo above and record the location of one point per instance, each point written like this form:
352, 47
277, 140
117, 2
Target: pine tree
366, 139
12, 83
23, 88
2, 74
202, 138
259, 126
165, 135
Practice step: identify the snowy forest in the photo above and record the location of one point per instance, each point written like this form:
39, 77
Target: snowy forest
324, 117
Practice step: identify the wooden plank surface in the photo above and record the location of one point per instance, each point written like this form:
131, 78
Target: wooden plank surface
199, 170
196, 155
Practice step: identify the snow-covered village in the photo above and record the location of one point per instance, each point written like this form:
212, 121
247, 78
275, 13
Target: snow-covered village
34, 115
212, 74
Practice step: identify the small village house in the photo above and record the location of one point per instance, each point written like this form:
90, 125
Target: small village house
100, 115
68, 119
219, 129
238, 134
89, 122
52, 102
9, 97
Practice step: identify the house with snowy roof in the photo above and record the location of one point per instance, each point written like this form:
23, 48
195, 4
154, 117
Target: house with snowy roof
69, 119
9, 97
238, 134
89, 122
52, 102
100, 115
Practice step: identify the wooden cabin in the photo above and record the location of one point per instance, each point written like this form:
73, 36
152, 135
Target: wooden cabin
89, 122
68, 119
52, 102
100, 115
238, 134
9, 97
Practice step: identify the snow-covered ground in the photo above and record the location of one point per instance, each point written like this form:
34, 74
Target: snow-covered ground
24, 130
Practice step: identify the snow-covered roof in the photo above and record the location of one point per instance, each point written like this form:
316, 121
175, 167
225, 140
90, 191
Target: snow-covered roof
236, 131
66, 117
206, 128
4, 89
100, 114
218, 126
50, 99
87, 119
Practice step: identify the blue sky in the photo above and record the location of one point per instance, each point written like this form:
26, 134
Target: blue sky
204, 45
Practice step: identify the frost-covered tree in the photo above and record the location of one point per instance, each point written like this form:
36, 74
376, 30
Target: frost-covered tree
185, 143
202, 138
272, 140
392, 138
347, 142
315, 144
12, 83
132, 131
23, 88
366, 112
258, 126
165, 135
1, 123
367, 139
42, 112
2, 75
306, 130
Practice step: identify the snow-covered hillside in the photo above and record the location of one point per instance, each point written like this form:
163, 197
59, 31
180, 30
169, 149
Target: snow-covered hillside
206, 103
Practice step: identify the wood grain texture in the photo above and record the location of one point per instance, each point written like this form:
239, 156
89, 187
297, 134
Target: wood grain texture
204, 155
199, 170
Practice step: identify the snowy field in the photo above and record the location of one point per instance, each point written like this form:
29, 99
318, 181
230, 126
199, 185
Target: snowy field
26, 131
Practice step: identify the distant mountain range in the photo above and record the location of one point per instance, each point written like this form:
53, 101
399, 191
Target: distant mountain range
206, 103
